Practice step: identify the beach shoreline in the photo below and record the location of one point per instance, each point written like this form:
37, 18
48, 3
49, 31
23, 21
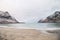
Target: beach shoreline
7, 33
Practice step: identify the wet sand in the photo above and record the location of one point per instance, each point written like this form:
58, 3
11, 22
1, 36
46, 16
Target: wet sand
24, 34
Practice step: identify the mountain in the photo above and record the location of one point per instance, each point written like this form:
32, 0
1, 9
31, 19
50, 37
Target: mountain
54, 18
5, 17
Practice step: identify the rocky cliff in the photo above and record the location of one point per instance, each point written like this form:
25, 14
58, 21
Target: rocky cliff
6, 18
54, 18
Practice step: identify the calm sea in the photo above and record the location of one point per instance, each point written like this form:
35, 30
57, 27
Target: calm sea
32, 25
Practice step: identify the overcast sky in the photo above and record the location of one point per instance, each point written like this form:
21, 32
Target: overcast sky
30, 10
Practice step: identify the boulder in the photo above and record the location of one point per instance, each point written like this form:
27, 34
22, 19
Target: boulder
54, 18
6, 18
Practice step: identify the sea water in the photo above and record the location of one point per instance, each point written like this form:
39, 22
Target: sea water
32, 25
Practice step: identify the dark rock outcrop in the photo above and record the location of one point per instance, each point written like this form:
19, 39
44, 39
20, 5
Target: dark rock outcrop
54, 18
6, 18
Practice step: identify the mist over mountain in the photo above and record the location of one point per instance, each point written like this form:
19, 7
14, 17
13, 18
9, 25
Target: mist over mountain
30, 10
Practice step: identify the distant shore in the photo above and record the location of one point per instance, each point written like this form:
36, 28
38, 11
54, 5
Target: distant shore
24, 34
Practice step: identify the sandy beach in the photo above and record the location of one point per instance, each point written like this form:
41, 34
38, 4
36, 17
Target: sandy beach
24, 34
